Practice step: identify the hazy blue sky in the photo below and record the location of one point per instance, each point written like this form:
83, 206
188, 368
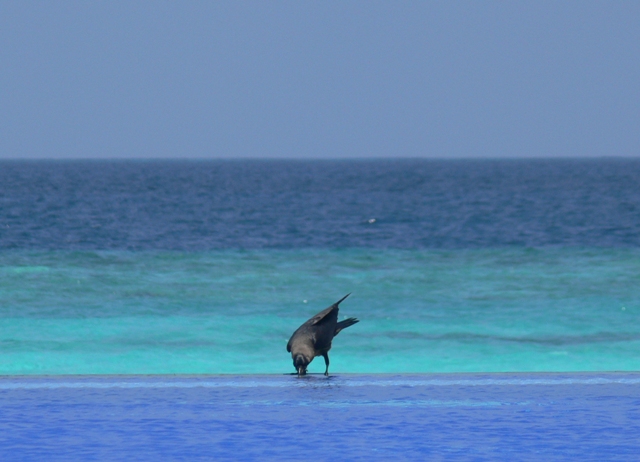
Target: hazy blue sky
319, 79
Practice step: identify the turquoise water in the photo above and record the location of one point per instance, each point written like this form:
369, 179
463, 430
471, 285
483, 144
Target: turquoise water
232, 311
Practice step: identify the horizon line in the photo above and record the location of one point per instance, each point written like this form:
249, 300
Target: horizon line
302, 159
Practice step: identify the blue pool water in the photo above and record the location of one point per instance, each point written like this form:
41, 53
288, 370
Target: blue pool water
482, 417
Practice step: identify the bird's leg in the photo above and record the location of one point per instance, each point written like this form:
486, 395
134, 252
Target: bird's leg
326, 362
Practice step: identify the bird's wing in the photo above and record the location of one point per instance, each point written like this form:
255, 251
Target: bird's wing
320, 316
323, 314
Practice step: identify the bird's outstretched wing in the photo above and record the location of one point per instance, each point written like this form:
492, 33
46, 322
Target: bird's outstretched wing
320, 316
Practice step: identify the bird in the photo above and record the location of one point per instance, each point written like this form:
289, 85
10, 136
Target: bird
314, 337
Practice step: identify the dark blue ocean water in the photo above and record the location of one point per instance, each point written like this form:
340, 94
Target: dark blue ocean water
400, 204
176, 268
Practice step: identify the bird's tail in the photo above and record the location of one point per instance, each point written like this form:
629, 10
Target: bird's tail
344, 324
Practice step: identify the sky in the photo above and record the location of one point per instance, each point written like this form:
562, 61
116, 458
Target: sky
330, 79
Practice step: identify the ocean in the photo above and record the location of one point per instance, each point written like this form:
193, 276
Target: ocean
201, 268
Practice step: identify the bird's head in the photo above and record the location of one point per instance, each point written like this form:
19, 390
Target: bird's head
300, 362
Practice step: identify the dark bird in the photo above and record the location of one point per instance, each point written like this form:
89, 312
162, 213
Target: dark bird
314, 337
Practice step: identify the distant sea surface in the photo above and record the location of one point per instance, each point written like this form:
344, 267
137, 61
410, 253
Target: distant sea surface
163, 267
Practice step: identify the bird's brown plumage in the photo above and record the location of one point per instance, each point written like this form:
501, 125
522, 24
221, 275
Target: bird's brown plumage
314, 337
